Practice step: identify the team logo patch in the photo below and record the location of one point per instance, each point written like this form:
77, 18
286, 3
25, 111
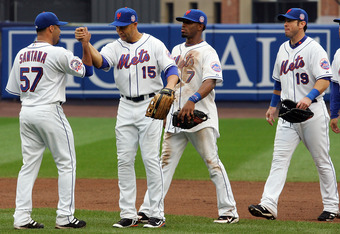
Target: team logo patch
302, 17
133, 18
119, 15
324, 64
76, 65
202, 19
216, 67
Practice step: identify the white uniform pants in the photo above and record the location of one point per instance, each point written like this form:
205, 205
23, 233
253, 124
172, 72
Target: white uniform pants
204, 142
314, 134
133, 129
41, 127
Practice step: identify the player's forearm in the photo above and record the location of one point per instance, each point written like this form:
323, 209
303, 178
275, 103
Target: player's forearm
87, 58
172, 81
321, 85
206, 87
96, 56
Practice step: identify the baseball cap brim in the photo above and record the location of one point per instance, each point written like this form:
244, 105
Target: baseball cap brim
61, 23
181, 19
337, 20
120, 24
282, 17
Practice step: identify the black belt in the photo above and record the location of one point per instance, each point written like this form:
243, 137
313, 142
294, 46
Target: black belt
139, 98
314, 100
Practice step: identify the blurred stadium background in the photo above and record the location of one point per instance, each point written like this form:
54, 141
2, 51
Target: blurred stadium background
245, 33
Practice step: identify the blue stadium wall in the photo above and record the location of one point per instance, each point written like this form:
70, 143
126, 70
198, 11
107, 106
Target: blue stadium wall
247, 54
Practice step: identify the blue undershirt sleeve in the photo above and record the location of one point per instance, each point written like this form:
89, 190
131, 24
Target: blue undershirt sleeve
171, 71
88, 70
105, 63
335, 100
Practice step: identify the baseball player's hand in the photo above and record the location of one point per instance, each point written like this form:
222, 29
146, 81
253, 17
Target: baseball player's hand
187, 110
334, 125
304, 103
82, 34
270, 115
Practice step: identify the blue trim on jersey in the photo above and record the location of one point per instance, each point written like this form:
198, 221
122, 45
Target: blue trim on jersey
88, 70
335, 100
298, 43
173, 70
105, 63
9, 91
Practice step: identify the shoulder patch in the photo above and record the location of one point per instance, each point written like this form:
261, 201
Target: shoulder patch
76, 64
324, 64
216, 67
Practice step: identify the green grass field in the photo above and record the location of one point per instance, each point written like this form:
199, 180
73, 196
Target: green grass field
245, 148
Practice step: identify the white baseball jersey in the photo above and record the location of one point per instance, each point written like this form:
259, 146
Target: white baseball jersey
308, 63
39, 74
336, 67
196, 64
138, 66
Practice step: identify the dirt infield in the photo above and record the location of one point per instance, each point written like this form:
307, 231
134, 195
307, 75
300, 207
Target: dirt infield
299, 201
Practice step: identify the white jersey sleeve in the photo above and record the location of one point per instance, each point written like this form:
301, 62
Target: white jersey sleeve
336, 67
39, 73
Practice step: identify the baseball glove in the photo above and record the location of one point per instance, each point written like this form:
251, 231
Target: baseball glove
290, 113
160, 104
198, 118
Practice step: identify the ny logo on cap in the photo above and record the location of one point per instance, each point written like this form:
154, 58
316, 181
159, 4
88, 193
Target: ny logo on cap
187, 12
119, 15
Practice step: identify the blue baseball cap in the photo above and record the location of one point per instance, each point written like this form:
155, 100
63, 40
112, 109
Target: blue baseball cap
194, 15
124, 17
45, 19
295, 14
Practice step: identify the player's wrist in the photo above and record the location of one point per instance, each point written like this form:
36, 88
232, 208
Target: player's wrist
196, 97
275, 100
313, 94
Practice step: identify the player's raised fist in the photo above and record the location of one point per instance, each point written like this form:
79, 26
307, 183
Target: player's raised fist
81, 33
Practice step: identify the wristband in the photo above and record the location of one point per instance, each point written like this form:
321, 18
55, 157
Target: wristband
195, 98
275, 100
313, 94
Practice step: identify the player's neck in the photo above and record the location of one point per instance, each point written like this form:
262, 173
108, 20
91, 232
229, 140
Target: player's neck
41, 39
296, 38
192, 41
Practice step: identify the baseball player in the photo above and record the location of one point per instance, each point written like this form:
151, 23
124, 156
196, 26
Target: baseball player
335, 90
200, 69
137, 59
301, 73
38, 76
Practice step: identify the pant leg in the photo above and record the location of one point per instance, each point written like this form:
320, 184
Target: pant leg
127, 145
316, 138
58, 136
172, 150
32, 148
204, 142
286, 141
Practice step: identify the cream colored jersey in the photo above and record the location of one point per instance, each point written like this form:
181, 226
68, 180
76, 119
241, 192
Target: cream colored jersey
39, 73
196, 64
